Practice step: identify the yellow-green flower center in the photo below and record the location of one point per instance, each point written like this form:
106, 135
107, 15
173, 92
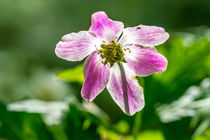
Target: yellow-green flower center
112, 53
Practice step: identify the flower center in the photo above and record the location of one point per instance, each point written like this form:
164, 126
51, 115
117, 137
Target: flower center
112, 53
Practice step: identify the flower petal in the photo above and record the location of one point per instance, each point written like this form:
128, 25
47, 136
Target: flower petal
125, 90
105, 28
75, 46
147, 36
145, 61
96, 76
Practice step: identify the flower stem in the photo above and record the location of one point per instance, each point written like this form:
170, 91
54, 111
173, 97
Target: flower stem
137, 124
137, 121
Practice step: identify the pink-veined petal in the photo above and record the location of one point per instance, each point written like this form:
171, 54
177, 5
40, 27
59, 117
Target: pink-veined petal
145, 61
96, 76
125, 89
147, 36
76, 46
105, 28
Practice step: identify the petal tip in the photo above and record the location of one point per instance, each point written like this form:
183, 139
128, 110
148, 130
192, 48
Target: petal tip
85, 96
164, 64
133, 113
166, 37
139, 109
99, 13
57, 52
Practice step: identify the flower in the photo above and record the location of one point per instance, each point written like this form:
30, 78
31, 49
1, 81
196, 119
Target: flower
115, 56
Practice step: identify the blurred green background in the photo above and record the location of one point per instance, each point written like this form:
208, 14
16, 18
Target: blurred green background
35, 104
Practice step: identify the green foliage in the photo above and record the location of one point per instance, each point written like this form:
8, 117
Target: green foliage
72, 75
29, 31
151, 134
186, 67
79, 125
188, 57
22, 126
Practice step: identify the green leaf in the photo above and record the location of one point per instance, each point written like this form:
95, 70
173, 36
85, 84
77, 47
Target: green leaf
72, 75
150, 135
187, 65
80, 124
144, 135
22, 126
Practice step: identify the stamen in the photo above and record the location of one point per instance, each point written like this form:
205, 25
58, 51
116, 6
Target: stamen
112, 53
133, 76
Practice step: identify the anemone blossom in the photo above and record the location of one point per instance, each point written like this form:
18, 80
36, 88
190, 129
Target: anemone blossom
116, 55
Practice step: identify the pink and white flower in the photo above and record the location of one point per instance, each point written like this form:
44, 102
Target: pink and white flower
115, 56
